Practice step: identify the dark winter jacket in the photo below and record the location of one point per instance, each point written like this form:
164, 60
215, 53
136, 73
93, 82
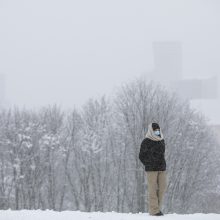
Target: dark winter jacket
152, 155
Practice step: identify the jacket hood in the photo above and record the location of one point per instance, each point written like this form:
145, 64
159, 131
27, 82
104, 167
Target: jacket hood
150, 134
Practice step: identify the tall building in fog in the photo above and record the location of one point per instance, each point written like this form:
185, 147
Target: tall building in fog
197, 89
201, 93
2, 89
168, 60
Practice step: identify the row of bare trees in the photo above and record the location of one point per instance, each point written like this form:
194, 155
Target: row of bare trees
88, 159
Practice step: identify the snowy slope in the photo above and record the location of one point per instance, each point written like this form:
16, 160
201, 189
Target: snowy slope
77, 215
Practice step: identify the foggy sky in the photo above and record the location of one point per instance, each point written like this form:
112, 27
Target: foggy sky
67, 51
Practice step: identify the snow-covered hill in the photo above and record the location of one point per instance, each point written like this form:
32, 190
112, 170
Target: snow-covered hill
77, 215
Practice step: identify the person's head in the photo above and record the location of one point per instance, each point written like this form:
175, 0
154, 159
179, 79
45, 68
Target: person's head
156, 129
154, 132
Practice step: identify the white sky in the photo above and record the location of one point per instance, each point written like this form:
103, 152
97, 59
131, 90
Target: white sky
67, 51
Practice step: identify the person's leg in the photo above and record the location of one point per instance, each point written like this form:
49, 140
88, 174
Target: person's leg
162, 186
153, 206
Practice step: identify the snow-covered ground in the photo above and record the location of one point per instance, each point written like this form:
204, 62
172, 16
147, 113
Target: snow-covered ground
77, 215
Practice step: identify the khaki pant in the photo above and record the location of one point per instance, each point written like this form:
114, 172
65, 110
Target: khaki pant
157, 184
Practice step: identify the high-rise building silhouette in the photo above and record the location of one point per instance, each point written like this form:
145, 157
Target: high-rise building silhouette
202, 94
2, 89
168, 71
168, 60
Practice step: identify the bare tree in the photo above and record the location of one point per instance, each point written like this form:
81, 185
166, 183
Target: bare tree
88, 159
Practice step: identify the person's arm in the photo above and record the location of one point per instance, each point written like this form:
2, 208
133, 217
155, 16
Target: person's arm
144, 152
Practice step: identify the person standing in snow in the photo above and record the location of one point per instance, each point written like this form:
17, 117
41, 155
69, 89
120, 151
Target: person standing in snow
152, 155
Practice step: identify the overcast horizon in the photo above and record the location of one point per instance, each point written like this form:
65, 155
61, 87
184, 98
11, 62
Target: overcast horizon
70, 52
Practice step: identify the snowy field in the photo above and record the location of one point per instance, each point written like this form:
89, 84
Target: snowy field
77, 215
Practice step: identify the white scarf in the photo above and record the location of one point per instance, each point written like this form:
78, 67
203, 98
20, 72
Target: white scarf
150, 134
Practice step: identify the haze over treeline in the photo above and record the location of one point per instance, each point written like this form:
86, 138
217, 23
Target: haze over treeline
88, 159
66, 52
